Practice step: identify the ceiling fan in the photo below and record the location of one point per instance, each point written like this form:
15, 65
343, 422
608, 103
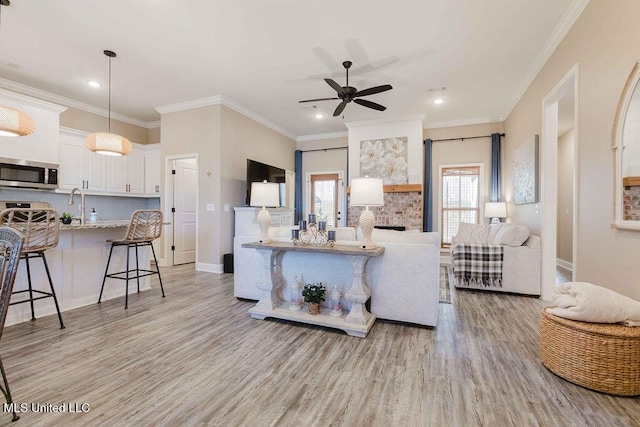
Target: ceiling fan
349, 93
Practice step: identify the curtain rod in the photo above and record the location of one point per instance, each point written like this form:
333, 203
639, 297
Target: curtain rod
324, 149
462, 139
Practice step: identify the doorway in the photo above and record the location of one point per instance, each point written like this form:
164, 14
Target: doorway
181, 208
326, 197
558, 108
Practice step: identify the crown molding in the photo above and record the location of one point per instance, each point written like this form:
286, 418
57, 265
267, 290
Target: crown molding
572, 15
32, 102
73, 132
463, 122
68, 102
414, 117
221, 100
321, 136
153, 125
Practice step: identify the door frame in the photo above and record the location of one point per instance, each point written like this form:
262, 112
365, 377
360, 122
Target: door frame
549, 181
167, 260
342, 222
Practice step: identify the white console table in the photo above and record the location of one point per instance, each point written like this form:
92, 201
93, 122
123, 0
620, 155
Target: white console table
357, 322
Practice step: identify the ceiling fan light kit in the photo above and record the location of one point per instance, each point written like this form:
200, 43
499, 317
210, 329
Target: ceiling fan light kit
108, 143
349, 93
14, 122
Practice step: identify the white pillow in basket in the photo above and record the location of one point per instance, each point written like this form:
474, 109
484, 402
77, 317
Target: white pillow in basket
511, 235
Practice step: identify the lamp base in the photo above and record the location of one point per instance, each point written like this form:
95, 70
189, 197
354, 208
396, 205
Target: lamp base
495, 220
264, 219
366, 223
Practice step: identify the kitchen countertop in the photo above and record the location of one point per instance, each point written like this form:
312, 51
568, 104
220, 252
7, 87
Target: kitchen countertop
75, 225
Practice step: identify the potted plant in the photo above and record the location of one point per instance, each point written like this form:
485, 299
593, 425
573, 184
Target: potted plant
66, 218
313, 295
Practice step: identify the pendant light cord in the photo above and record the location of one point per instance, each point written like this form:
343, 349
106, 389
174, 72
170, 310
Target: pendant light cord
109, 94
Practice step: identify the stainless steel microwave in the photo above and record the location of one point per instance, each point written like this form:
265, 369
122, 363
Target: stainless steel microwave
28, 174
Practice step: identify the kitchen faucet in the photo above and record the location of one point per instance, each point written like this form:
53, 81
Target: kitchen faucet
82, 215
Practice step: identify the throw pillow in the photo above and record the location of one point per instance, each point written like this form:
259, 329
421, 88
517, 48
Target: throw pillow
511, 235
493, 230
472, 233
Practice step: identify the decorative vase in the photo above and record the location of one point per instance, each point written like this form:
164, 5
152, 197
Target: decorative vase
313, 308
66, 221
295, 294
336, 305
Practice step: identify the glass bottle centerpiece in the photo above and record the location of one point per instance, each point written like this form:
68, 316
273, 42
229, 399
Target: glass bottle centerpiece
335, 297
295, 294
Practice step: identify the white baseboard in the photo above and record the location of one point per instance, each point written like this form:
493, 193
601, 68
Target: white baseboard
564, 264
163, 262
209, 268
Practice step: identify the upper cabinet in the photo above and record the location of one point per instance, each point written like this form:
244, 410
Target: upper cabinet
137, 174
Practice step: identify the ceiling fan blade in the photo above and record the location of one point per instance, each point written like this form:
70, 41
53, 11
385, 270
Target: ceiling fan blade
373, 90
335, 86
340, 108
319, 99
370, 104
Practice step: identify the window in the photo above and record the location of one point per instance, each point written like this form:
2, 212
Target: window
324, 197
460, 199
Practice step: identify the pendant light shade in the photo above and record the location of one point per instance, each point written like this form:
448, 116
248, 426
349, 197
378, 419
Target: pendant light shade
15, 123
107, 143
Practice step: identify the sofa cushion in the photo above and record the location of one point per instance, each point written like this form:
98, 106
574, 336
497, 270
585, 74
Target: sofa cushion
472, 233
493, 230
511, 235
379, 235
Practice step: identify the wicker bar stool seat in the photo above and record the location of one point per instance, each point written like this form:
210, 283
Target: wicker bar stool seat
145, 226
598, 356
41, 229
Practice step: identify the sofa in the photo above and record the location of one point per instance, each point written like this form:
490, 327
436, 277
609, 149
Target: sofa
520, 269
403, 280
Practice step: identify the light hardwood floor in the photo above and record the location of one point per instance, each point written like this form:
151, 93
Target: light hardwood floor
197, 358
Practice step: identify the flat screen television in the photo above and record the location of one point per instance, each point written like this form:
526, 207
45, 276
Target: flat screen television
258, 172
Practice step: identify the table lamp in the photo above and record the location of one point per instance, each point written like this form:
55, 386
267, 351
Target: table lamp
495, 211
366, 192
265, 194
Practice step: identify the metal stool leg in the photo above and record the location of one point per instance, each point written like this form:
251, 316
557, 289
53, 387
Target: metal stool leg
53, 292
33, 312
126, 295
7, 392
104, 279
157, 267
137, 269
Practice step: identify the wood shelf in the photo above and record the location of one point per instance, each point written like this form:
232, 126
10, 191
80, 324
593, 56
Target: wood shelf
631, 181
400, 188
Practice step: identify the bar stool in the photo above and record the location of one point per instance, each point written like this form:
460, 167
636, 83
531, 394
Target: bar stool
40, 228
145, 227
10, 246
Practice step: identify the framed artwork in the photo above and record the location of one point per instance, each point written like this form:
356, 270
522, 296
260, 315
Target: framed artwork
386, 159
525, 172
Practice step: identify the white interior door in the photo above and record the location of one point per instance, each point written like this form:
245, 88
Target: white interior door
185, 186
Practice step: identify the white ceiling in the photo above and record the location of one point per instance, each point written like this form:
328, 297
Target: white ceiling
267, 55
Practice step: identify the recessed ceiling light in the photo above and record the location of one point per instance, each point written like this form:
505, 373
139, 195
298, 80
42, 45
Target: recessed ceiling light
93, 83
319, 116
438, 101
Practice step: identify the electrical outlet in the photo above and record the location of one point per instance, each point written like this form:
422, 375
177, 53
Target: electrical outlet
227, 208
211, 207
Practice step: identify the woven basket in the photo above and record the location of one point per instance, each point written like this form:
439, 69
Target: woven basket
598, 356
313, 308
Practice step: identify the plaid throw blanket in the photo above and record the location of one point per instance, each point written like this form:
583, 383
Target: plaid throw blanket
477, 265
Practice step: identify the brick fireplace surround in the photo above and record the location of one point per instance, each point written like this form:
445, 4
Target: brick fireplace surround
400, 209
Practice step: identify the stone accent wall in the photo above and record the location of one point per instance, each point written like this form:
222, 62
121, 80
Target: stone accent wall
631, 202
400, 209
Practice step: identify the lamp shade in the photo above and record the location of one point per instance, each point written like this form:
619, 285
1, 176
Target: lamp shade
107, 143
265, 194
15, 123
366, 192
495, 210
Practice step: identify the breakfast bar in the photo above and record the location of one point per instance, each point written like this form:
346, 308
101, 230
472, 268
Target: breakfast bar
77, 267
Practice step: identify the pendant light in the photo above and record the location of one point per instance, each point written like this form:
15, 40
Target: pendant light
108, 143
14, 122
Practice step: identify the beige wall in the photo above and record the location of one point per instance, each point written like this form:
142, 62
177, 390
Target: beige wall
564, 243
605, 42
243, 138
89, 122
460, 152
199, 131
323, 161
154, 135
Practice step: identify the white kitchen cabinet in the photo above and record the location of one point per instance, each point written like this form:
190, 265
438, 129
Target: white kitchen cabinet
152, 170
126, 173
80, 167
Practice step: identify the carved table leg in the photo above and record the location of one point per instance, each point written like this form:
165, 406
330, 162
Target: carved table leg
359, 292
272, 280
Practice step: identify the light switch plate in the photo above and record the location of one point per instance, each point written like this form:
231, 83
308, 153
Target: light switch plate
211, 207
227, 208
